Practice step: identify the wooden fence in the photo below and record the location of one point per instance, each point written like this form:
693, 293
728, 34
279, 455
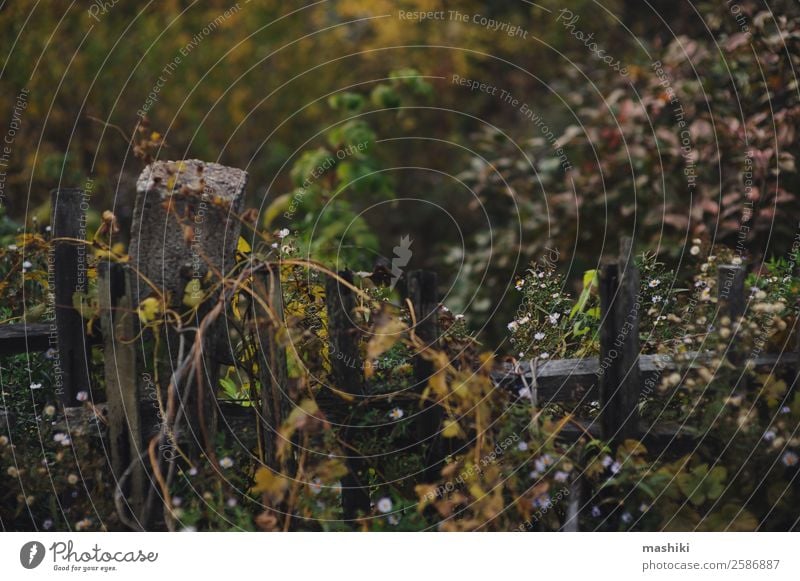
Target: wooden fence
617, 383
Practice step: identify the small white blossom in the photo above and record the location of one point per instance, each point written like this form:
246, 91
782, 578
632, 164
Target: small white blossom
769, 435
82, 396
520, 284
789, 458
561, 476
654, 283
522, 446
27, 264
283, 233
384, 505
554, 318
513, 326
694, 250
396, 414
226, 462
539, 336
36, 386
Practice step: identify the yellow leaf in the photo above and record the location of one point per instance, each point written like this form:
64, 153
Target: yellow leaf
149, 309
193, 293
451, 429
268, 483
243, 246
385, 336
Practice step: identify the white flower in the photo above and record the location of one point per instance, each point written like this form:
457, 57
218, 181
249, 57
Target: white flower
607, 461
396, 414
393, 519
47, 229
596, 511
534, 474
82, 396
626, 517
283, 233
786, 409
274, 245
49, 410
12, 247
47, 524
36, 386
694, 250
459, 317
657, 299
192, 471
769, 435
654, 283
177, 501
231, 502
522, 446
544, 356
524, 320
525, 393
520, 284
226, 462
736, 260
59, 437
27, 264
561, 476
513, 326
554, 318
384, 505
615, 467
789, 458
539, 336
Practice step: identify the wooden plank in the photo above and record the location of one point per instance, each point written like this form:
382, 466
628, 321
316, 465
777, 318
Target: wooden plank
563, 380
273, 372
122, 390
620, 378
346, 370
70, 276
423, 293
24, 338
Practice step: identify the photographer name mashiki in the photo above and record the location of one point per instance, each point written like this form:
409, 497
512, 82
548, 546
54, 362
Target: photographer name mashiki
668, 548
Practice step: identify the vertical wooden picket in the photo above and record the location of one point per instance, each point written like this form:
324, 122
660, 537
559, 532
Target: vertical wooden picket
619, 346
347, 372
122, 389
70, 270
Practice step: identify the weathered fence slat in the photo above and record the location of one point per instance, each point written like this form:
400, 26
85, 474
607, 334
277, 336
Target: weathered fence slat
122, 391
347, 372
619, 346
24, 338
423, 293
68, 220
274, 376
